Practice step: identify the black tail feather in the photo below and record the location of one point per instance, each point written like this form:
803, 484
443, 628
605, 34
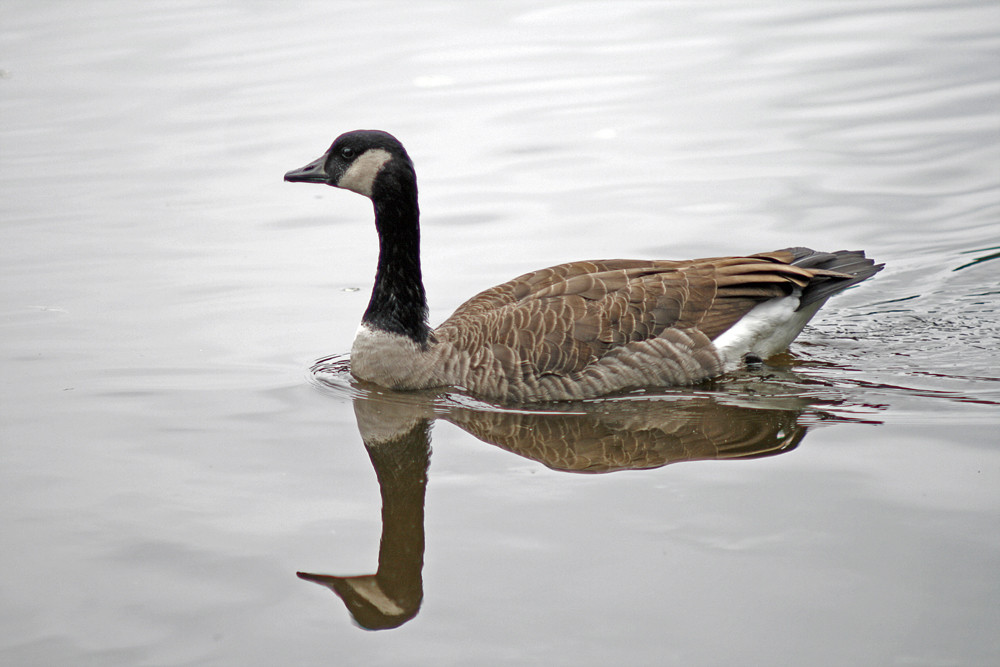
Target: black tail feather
852, 263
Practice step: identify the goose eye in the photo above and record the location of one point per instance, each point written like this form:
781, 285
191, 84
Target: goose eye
347, 153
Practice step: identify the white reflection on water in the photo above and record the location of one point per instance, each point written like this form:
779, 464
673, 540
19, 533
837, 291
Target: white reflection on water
167, 466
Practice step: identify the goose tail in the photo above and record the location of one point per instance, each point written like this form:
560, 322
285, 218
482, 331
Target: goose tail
836, 271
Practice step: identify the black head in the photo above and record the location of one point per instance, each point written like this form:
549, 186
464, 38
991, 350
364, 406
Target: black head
355, 161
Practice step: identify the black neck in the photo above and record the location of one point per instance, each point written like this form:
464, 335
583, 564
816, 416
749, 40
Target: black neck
398, 303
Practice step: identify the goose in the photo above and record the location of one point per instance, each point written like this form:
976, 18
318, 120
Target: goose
574, 331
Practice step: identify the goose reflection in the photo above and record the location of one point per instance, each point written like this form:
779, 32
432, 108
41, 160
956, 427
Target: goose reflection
597, 437
398, 444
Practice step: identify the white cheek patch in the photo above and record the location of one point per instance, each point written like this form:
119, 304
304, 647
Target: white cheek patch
360, 176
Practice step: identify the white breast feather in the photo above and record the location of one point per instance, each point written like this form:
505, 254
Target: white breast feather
389, 359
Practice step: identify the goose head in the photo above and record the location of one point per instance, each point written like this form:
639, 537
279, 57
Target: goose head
370, 162
374, 164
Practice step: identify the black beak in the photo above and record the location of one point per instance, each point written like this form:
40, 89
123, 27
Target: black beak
314, 172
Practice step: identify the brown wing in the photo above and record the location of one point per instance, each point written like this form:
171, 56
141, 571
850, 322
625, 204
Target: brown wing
518, 288
559, 319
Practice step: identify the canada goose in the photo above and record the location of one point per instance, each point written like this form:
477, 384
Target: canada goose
575, 330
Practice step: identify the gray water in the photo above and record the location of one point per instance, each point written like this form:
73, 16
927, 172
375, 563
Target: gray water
169, 461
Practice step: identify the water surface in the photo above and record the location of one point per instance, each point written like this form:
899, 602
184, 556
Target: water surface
170, 463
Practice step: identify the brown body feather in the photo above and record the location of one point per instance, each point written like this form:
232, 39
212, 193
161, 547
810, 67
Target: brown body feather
545, 329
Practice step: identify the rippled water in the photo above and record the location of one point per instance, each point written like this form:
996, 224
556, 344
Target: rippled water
170, 462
